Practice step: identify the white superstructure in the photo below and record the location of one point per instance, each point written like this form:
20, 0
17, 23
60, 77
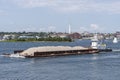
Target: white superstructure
94, 43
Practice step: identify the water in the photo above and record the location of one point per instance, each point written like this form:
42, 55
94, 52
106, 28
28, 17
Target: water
104, 66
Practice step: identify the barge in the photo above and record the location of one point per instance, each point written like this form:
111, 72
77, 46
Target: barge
49, 51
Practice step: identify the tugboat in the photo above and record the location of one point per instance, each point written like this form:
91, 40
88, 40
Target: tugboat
97, 44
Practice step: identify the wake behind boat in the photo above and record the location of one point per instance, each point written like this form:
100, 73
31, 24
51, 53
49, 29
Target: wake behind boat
16, 55
13, 55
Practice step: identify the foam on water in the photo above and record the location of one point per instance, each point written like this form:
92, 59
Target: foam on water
16, 56
116, 50
12, 55
105, 57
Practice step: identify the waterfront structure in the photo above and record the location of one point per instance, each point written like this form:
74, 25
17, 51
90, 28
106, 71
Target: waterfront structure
75, 36
61, 35
8, 37
26, 37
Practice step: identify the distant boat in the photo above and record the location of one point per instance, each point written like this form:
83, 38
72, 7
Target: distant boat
115, 40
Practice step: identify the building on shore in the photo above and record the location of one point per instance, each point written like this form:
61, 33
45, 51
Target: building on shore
75, 35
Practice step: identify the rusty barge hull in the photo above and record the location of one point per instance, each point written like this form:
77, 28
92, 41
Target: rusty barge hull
63, 53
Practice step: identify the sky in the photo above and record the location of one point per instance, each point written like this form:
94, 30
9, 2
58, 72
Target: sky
56, 15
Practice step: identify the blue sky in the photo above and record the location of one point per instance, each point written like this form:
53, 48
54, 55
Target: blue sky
56, 15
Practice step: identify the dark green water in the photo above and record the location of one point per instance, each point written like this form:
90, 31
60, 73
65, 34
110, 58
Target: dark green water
104, 66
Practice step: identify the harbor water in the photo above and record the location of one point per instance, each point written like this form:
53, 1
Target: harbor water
103, 66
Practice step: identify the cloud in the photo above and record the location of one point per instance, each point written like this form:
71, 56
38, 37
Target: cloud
32, 3
42, 29
111, 6
94, 26
51, 28
82, 29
